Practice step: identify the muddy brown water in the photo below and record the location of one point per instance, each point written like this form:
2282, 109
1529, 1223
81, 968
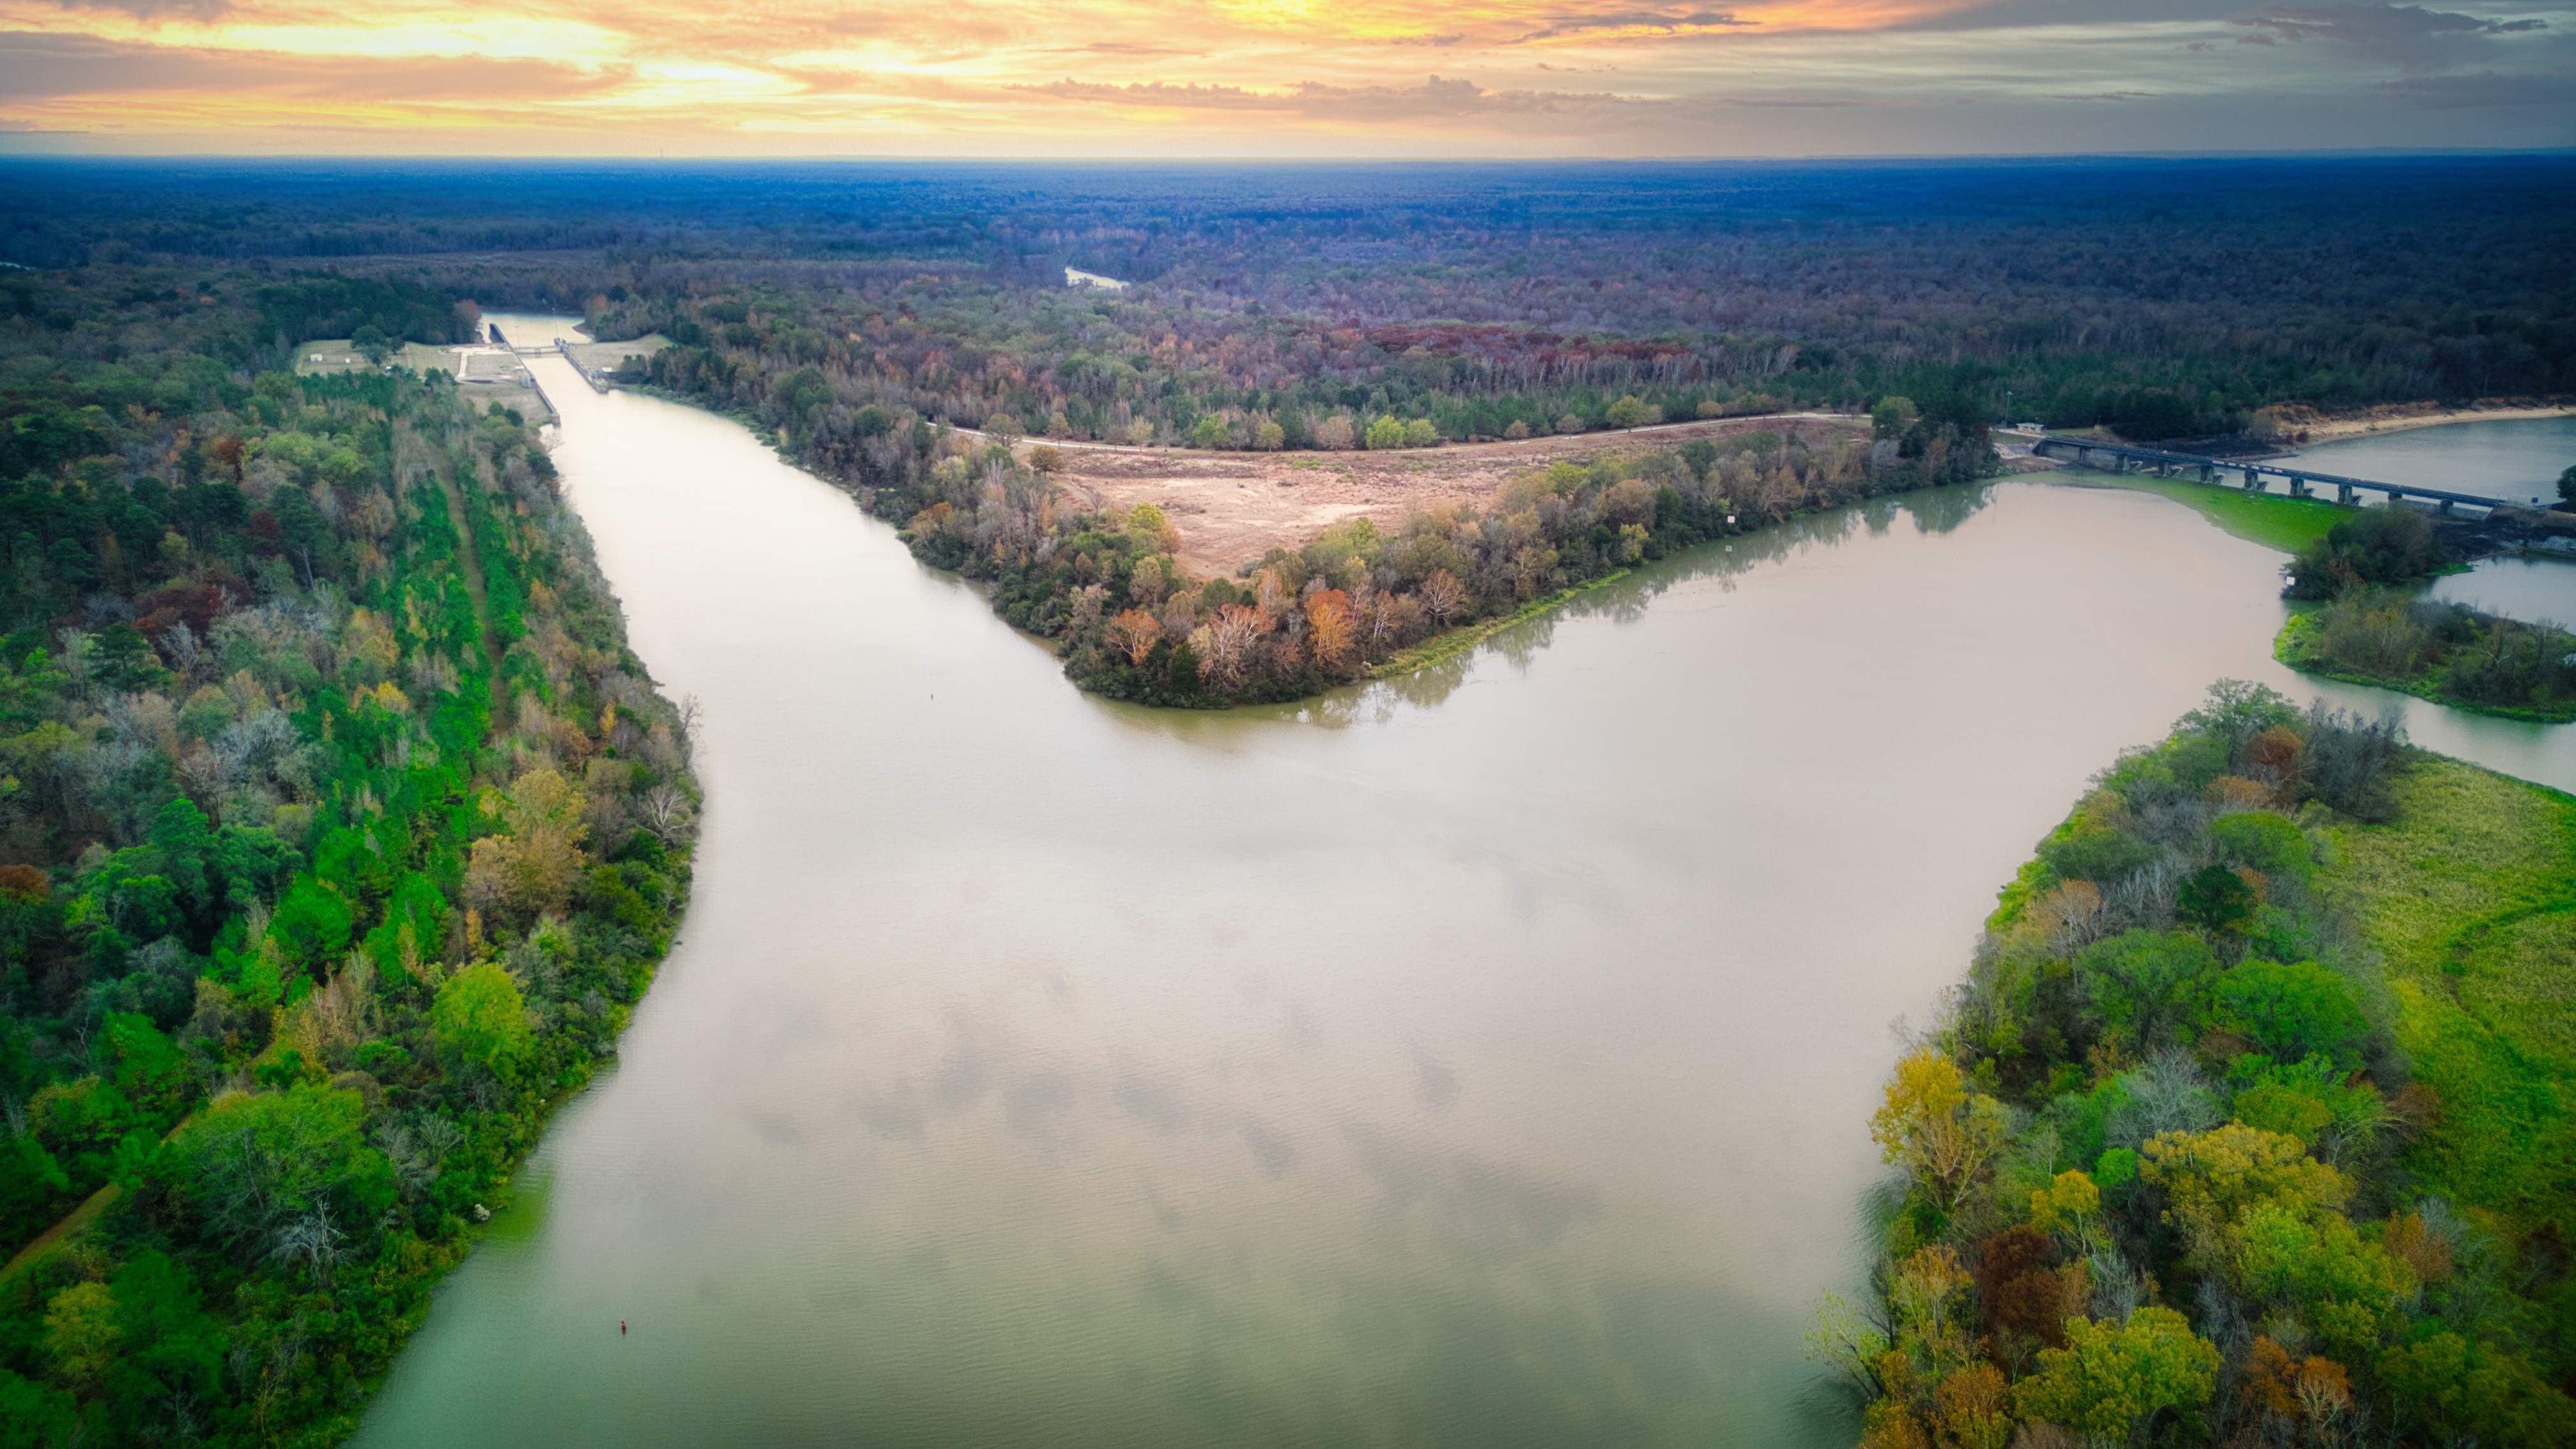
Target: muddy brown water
1481, 1058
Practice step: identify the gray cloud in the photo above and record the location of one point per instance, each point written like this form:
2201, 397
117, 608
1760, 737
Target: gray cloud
2402, 35
2482, 91
1655, 22
1434, 98
156, 9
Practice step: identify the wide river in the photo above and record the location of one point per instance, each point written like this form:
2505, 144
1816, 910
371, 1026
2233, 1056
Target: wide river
1483, 1058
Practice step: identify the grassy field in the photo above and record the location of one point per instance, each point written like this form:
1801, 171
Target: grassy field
2471, 895
2273, 520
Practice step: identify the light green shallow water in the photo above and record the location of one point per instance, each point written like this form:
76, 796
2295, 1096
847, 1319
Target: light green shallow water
1481, 1059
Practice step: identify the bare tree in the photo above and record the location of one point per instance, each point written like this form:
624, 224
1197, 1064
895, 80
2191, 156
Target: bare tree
313, 1240
1442, 596
665, 810
691, 715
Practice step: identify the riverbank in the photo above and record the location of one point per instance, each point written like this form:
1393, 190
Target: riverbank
2214, 974
2402, 417
2274, 520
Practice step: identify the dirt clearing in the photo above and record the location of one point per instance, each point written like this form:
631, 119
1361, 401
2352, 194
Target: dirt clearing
1231, 508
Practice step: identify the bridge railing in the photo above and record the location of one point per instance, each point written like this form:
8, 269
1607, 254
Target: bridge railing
2301, 480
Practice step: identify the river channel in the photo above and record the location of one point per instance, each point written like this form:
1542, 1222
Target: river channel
1482, 1058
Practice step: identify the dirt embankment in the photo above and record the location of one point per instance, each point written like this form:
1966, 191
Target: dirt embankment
2317, 427
1231, 508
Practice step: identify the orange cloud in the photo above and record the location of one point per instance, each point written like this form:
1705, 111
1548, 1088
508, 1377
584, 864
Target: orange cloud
1207, 77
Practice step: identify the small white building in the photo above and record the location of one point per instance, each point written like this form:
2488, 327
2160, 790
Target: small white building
1077, 277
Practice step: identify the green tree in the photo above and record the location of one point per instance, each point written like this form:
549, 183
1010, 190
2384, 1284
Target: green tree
80, 1334
31, 1185
1893, 418
1386, 432
252, 1163
479, 1018
2263, 841
2111, 1378
2237, 711
2458, 1390
166, 1345
2146, 985
371, 341
2317, 1263
33, 1416
2567, 484
2292, 1011
186, 840
2215, 899
148, 1068
312, 923
1627, 412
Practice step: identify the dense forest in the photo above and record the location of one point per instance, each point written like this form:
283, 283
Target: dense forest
339, 833
2248, 1125
2160, 297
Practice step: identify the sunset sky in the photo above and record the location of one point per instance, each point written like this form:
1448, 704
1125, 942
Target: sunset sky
1277, 77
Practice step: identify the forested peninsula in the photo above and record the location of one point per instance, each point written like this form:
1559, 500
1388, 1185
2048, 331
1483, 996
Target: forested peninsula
342, 835
2249, 1125
1132, 623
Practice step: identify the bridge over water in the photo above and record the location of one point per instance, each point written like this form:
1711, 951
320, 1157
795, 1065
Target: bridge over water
2120, 458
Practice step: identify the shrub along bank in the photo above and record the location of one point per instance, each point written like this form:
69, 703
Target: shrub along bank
339, 832
2171, 1173
2438, 651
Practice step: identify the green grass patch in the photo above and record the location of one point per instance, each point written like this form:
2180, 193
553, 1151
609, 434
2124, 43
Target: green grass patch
2471, 897
2273, 520
1441, 648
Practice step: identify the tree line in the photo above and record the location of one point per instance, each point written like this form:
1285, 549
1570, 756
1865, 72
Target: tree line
323, 872
2154, 296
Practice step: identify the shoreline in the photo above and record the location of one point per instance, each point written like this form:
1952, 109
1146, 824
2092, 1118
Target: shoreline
2337, 429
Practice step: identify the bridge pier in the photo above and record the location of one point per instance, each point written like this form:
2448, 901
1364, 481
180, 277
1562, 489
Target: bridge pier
2255, 476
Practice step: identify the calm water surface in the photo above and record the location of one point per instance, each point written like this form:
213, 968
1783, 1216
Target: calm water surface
1482, 1058
2537, 589
2517, 459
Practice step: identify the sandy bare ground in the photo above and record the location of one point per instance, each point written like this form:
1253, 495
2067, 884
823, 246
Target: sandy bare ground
1230, 508
2397, 417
